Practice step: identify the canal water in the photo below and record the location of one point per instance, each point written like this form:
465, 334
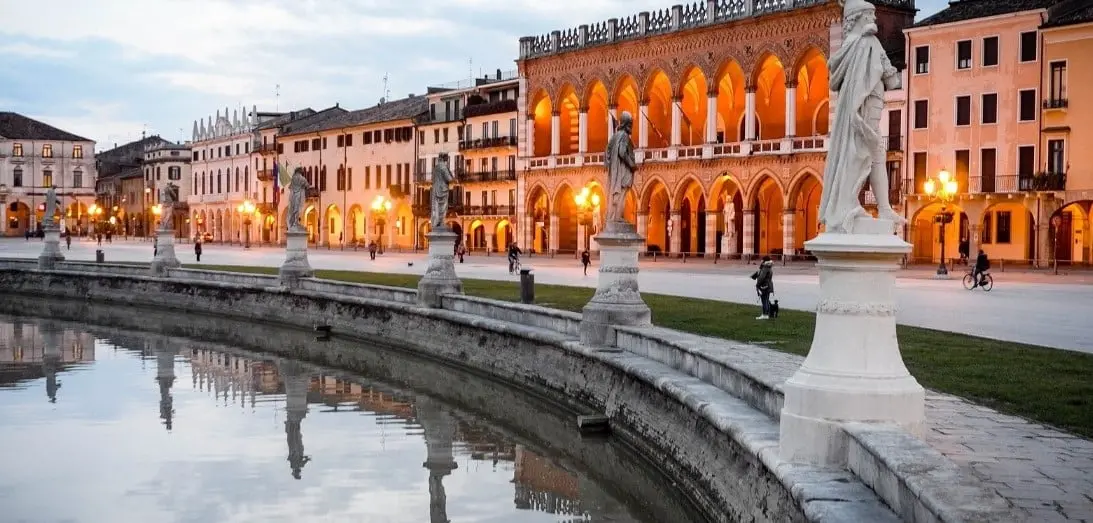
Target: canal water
109, 423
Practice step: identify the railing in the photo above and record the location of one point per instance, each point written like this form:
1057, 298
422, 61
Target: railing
719, 150
423, 177
690, 152
265, 175
538, 163
893, 143
488, 108
490, 210
1056, 103
726, 149
594, 159
501, 175
486, 143
767, 146
810, 143
654, 154
567, 160
1045, 181
264, 148
266, 208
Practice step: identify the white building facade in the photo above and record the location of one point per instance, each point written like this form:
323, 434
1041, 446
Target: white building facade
221, 175
166, 164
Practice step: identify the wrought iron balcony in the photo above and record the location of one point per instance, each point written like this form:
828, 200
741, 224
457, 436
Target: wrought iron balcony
1056, 103
265, 148
488, 108
1044, 181
487, 143
265, 175
399, 190
893, 143
503, 175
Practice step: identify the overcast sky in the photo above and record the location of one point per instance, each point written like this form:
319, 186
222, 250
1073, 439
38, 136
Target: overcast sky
108, 69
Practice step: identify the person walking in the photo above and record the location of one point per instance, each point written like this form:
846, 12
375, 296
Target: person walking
586, 260
461, 251
68, 240
372, 250
764, 285
197, 248
155, 246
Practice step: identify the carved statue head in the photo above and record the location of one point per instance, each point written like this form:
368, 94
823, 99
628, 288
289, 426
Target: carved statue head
859, 16
298, 171
626, 121
442, 157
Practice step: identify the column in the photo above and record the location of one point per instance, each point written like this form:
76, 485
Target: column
165, 376
582, 130
612, 117
711, 233
748, 242
52, 341
555, 133
581, 234
791, 109
789, 220
749, 114
1044, 253
677, 234
1087, 249
4, 217
643, 126
439, 428
529, 144
677, 122
711, 117
643, 226
553, 239
974, 229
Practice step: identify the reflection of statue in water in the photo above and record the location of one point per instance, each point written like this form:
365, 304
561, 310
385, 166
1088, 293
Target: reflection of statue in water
297, 188
442, 177
168, 196
860, 73
296, 457
51, 208
620, 163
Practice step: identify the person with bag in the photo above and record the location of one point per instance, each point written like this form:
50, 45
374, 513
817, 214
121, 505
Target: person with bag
764, 285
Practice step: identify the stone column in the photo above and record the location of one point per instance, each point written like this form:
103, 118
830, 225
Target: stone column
677, 122
711, 117
643, 126
748, 242
529, 144
711, 233
854, 370
555, 133
617, 300
612, 116
296, 265
165, 377
3, 216
440, 277
791, 109
749, 114
1044, 248
974, 230
51, 248
581, 232
674, 242
582, 130
297, 381
789, 232
553, 239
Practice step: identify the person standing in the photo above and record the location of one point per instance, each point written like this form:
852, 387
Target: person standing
68, 240
764, 285
372, 250
586, 260
197, 248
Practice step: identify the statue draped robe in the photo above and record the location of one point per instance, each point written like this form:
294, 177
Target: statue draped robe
620, 165
857, 70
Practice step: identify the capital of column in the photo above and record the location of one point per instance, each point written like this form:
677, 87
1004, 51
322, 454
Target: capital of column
791, 84
556, 112
583, 109
612, 107
751, 89
712, 92
677, 98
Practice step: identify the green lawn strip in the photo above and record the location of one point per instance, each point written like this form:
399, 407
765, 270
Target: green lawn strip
1048, 385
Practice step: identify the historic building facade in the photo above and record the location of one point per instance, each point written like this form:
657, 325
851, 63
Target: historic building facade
222, 178
164, 164
121, 195
731, 108
33, 157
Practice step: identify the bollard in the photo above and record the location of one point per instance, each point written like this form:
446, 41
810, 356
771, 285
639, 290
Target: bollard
99, 257
527, 286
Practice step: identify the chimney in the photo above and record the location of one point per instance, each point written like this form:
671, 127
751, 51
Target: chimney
499, 74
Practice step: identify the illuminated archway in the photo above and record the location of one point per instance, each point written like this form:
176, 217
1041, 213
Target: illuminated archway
657, 203
538, 207
502, 236
770, 97
691, 201
18, 217
727, 190
926, 240
692, 92
333, 225
767, 207
597, 128
542, 112
478, 236
813, 92
568, 121
804, 199
730, 102
628, 99
658, 93
311, 223
357, 224
566, 211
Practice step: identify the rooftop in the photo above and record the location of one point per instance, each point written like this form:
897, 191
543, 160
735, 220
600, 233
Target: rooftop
403, 109
961, 10
1070, 12
18, 127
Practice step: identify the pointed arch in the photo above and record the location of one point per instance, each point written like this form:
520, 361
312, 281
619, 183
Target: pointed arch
731, 87
769, 80
688, 184
652, 185
541, 112
627, 97
693, 89
810, 75
658, 92
595, 102
568, 108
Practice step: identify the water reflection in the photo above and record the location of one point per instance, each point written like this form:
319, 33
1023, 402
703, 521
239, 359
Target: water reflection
215, 460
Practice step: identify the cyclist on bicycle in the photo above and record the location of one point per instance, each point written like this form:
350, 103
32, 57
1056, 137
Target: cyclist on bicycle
514, 256
982, 265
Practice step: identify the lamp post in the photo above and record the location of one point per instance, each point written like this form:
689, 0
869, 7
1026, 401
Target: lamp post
380, 207
247, 208
157, 210
588, 210
147, 226
1056, 221
943, 190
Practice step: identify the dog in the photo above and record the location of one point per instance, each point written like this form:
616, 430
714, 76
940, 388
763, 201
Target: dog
774, 309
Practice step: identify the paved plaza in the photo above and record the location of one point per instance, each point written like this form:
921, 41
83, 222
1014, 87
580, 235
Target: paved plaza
1025, 308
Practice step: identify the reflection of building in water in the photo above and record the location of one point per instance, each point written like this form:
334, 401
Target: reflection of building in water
233, 377
34, 349
543, 487
297, 382
165, 376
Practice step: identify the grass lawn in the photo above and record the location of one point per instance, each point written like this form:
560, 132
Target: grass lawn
1048, 385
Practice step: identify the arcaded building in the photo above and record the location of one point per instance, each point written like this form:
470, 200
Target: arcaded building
731, 108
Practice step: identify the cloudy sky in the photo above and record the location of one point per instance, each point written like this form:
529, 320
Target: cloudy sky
109, 69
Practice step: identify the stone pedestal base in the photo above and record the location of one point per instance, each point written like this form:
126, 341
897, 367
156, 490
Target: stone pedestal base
439, 277
51, 249
728, 246
295, 266
165, 253
617, 300
854, 370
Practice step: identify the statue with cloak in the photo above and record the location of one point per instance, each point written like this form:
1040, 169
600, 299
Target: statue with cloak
621, 165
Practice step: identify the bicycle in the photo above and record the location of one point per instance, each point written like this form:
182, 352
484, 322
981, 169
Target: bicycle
986, 281
514, 265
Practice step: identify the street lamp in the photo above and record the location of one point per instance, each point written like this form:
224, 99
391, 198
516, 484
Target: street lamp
148, 203
157, 210
943, 190
247, 208
380, 207
588, 211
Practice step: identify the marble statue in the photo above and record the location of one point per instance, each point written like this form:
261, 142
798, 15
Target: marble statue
860, 73
442, 177
168, 196
620, 163
730, 219
51, 207
297, 188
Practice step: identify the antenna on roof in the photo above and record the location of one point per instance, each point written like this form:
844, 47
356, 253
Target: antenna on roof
470, 69
386, 92
277, 96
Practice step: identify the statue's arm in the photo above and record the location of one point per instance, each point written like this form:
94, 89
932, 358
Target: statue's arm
626, 154
890, 76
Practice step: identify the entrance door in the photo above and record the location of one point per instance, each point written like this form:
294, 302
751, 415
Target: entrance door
895, 129
1064, 239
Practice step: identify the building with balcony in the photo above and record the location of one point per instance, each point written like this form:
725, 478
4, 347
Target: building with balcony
121, 193
164, 164
482, 153
439, 131
976, 112
358, 163
222, 175
34, 156
1067, 129
730, 103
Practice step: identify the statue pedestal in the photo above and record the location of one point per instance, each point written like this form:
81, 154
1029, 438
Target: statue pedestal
295, 266
439, 277
854, 370
617, 300
165, 252
51, 249
728, 246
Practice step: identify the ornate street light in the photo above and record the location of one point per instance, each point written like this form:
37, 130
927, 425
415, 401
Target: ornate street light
247, 209
588, 211
157, 210
943, 190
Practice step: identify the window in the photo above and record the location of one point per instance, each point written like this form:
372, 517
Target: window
512, 197
17, 149
1027, 106
77, 151
495, 134
448, 110
237, 149
987, 166
1058, 81
457, 113
468, 134
366, 138
324, 142
445, 135
349, 179
922, 59
962, 160
1002, 220
990, 51
989, 108
1056, 156
388, 175
17, 177
1028, 46
377, 136
367, 177
77, 179
485, 130
964, 54
432, 112
436, 136
47, 151
922, 114
349, 140
1026, 160
988, 228
341, 179
341, 141
316, 144
919, 171
47, 178
963, 110
388, 135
